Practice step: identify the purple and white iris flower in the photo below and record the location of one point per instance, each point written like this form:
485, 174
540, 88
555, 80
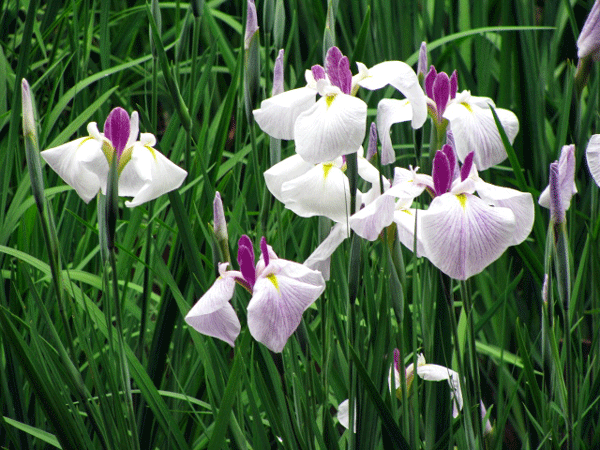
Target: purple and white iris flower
144, 172
566, 183
461, 233
592, 154
322, 130
281, 291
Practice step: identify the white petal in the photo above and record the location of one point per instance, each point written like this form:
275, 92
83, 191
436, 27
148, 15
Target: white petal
474, 129
277, 114
373, 218
319, 259
402, 77
434, 372
408, 184
520, 203
343, 414
81, 164
148, 175
282, 292
322, 191
389, 112
405, 220
283, 171
462, 235
212, 315
592, 154
332, 127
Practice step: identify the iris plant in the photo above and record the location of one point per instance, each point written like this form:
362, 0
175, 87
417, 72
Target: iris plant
144, 172
281, 291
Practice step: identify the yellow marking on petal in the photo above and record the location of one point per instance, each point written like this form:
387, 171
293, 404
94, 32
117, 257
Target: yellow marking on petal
152, 151
466, 105
326, 168
407, 211
273, 279
462, 198
108, 150
329, 98
124, 159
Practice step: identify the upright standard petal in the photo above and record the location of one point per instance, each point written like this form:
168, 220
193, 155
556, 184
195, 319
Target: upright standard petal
592, 154
212, 315
389, 112
332, 127
283, 291
277, 115
81, 164
462, 235
149, 174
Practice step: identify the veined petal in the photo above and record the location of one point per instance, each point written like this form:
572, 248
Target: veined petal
277, 115
408, 184
373, 218
462, 235
148, 175
402, 77
389, 112
319, 259
434, 372
592, 154
322, 191
332, 127
520, 203
474, 129
405, 219
212, 315
282, 293
286, 170
81, 164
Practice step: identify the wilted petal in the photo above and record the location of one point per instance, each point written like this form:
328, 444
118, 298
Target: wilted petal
81, 164
475, 130
322, 191
319, 259
332, 127
592, 154
373, 218
389, 112
462, 235
282, 293
212, 315
434, 372
286, 170
149, 174
402, 77
277, 114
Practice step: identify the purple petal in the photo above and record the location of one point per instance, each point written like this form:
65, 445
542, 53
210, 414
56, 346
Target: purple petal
116, 129
441, 93
397, 359
278, 74
318, 72
453, 84
265, 250
465, 170
429, 80
449, 152
337, 67
422, 65
372, 149
442, 177
246, 259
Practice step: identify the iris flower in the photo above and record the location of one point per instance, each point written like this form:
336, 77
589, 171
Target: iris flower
592, 154
144, 172
281, 291
566, 182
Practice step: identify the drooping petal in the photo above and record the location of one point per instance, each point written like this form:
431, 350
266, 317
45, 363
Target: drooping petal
389, 112
277, 115
462, 235
402, 77
369, 222
322, 191
286, 170
475, 130
407, 220
81, 164
282, 293
213, 315
592, 154
334, 126
520, 203
435, 372
319, 259
149, 174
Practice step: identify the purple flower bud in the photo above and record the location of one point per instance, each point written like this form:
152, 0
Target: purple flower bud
251, 23
429, 80
318, 72
442, 178
453, 84
589, 38
219, 219
545, 289
278, 74
27, 104
397, 360
246, 260
441, 93
465, 170
557, 212
372, 149
422, 65
265, 250
449, 152
117, 128
337, 67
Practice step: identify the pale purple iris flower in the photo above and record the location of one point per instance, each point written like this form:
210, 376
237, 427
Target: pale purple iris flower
592, 154
588, 43
281, 291
462, 233
322, 130
565, 187
144, 172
